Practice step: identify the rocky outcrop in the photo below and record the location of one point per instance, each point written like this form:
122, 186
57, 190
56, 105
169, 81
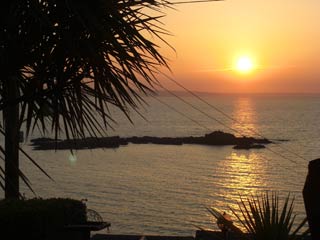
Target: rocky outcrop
216, 138
249, 146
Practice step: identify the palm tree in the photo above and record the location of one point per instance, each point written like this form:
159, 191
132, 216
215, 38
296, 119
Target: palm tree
63, 62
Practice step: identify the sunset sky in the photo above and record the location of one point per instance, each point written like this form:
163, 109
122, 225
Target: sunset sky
281, 38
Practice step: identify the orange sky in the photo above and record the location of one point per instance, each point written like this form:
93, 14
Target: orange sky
281, 37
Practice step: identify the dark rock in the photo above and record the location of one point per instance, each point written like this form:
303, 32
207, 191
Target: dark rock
216, 138
249, 146
220, 138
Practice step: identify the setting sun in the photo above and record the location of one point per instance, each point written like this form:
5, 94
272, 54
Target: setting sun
244, 64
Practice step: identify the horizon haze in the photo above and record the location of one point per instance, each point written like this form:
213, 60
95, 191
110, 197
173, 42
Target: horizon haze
280, 39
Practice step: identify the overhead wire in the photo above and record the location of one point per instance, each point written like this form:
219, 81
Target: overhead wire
219, 121
212, 106
226, 115
182, 114
199, 110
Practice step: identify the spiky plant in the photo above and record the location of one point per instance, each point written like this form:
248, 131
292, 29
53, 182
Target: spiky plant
265, 218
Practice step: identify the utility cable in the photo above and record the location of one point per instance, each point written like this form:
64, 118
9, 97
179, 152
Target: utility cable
182, 114
226, 115
220, 122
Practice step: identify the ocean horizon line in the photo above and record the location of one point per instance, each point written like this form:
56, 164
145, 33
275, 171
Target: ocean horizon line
202, 93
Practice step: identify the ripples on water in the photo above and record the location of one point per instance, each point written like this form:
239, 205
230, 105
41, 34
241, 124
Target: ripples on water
159, 189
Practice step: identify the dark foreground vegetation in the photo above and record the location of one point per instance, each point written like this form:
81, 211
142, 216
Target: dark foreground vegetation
64, 63
216, 138
40, 219
261, 217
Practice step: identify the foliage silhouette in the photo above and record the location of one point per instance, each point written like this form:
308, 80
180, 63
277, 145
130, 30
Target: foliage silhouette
63, 63
263, 217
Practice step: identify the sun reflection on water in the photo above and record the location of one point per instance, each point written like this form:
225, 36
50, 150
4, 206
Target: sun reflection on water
241, 172
244, 171
246, 116
242, 176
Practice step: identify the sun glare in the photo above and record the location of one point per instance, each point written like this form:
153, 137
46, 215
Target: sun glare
244, 64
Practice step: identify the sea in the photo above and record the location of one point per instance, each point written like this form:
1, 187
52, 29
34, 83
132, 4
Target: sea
167, 189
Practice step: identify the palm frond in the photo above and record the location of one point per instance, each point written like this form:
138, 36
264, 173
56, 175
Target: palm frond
74, 59
72, 41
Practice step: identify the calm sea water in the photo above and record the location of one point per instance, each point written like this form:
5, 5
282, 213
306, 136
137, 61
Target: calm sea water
160, 189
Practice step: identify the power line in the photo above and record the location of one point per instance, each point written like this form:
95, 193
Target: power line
201, 125
175, 110
226, 115
199, 110
220, 122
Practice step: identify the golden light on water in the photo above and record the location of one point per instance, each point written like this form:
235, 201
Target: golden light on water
243, 168
243, 173
245, 113
246, 180
246, 170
